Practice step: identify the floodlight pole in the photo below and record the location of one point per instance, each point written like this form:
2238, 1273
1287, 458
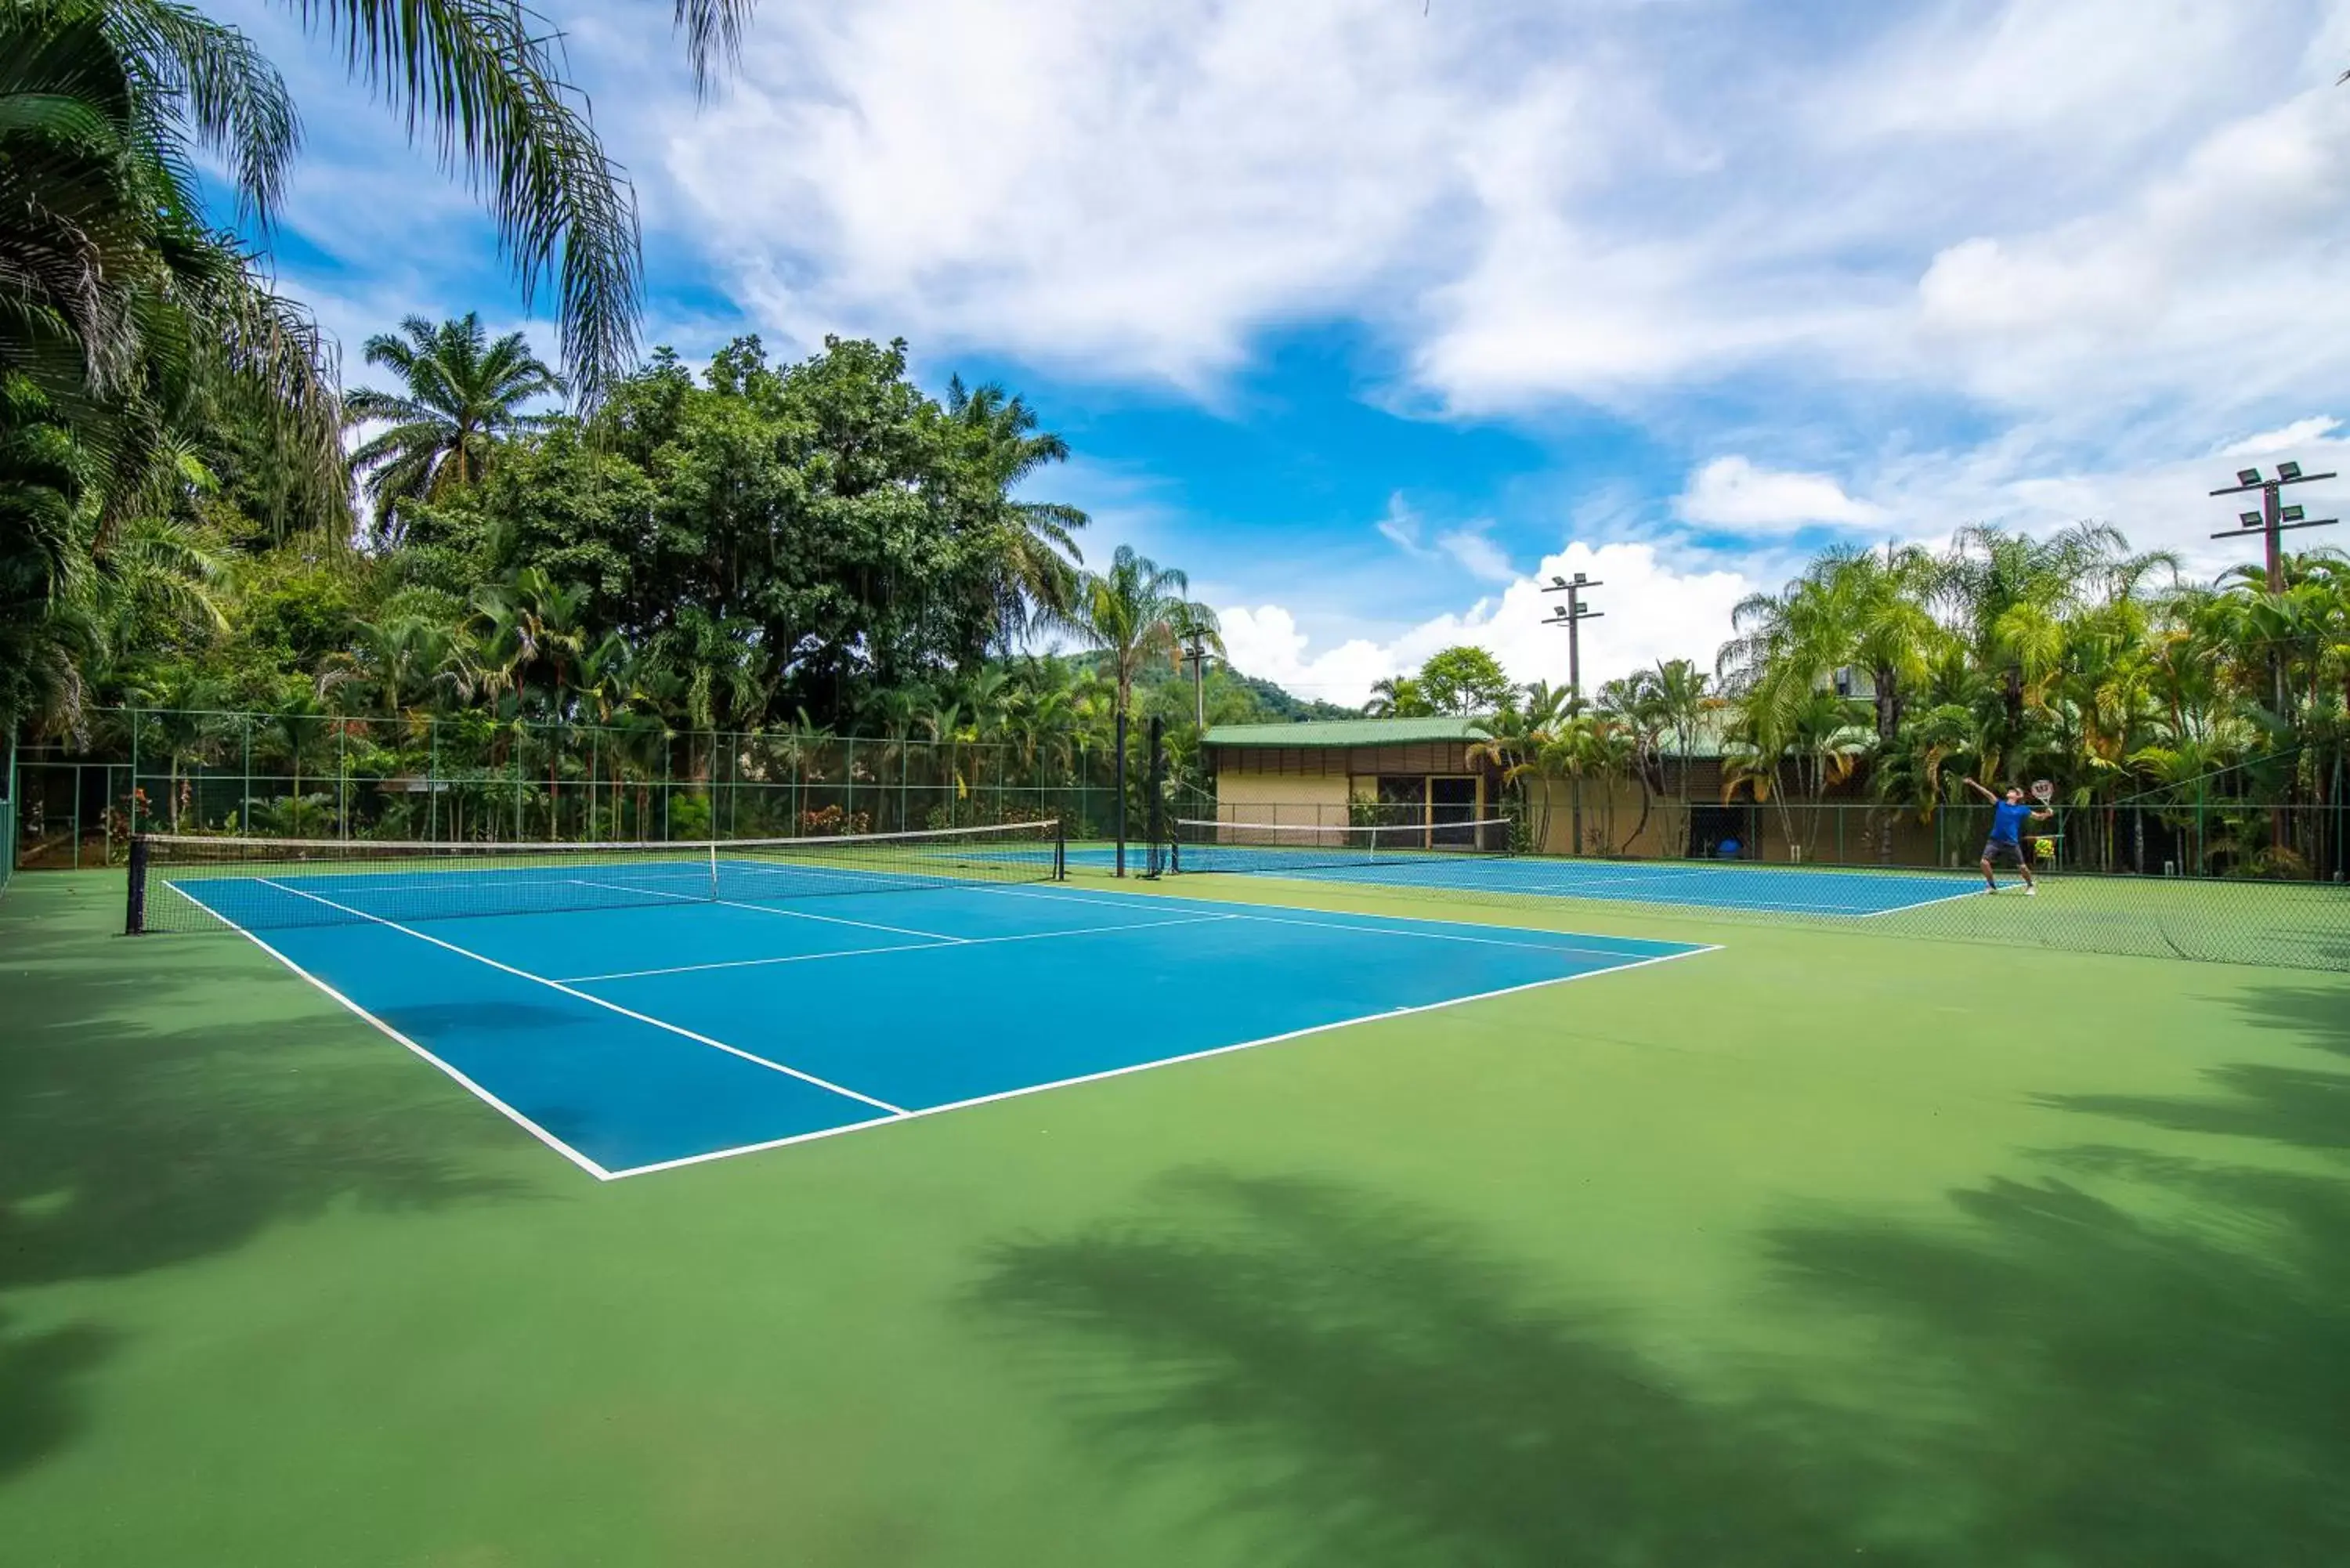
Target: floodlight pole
2273, 517
1572, 614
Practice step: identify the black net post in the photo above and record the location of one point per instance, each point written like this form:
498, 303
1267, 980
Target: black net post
1156, 820
1119, 806
1060, 849
134, 905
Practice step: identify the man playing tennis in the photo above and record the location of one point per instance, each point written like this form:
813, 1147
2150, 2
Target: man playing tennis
2006, 841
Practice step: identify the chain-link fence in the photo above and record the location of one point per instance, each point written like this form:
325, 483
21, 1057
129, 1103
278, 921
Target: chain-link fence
469, 778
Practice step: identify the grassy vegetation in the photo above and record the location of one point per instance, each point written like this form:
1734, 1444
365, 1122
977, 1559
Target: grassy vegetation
1828, 1247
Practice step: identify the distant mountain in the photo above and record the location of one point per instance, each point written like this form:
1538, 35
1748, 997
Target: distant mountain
1233, 697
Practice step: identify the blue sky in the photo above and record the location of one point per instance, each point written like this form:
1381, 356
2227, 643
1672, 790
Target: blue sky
1370, 317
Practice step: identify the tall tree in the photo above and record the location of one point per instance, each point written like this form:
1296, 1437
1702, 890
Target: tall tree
461, 395
1464, 681
1036, 577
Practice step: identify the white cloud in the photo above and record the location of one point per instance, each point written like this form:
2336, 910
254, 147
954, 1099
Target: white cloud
1478, 555
1470, 547
2039, 202
1650, 611
2289, 438
1400, 526
1732, 492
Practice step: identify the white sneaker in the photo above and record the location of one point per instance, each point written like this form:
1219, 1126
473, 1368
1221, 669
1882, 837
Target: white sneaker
1993, 888
2031, 891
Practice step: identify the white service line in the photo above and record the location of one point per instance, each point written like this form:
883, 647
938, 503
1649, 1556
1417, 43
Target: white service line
1388, 931
893, 948
765, 909
594, 1000
1924, 903
470, 1087
1594, 893
1145, 1066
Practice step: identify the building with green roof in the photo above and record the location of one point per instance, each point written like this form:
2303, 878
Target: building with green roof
1327, 771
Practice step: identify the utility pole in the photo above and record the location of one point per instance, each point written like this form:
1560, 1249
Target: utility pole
1572, 614
2272, 519
1195, 654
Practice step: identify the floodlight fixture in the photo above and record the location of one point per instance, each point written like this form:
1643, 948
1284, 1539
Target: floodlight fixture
2288, 472
2295, 513
2248, 476
2248, 519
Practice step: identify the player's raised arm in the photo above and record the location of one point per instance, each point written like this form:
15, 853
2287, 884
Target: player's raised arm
1979, 789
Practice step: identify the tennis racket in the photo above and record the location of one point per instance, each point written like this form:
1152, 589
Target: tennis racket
2044, 790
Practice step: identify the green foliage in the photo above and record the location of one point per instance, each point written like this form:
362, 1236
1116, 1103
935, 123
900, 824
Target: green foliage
460, 395
1399, 697
1464, 681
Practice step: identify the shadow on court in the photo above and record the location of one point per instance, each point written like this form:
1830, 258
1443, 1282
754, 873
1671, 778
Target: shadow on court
2305, 1106
2047, 1378
157, 1112
1365, 1384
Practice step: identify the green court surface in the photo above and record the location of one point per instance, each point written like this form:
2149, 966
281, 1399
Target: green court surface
1828, 1247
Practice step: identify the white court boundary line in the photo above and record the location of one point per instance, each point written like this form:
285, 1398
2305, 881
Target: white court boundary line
599, 1172
1329, 875
895, 948
678, 1030
1388, 931
934, 937
717, 1154
1923, 904
896, 1113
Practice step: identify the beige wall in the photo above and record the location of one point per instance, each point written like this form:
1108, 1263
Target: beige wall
1281, 797
1603, 834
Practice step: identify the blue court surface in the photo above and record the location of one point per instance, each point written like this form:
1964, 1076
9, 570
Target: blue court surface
1785, 889
639, 1038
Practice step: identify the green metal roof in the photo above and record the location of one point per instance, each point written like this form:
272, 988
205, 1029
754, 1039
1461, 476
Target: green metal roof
1342, 733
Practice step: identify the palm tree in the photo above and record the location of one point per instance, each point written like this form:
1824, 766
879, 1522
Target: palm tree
125, 315
1037, 560
462, 395
1130, 613
1398, 697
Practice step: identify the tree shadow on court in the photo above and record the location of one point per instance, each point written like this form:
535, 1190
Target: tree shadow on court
39, 1410
2042, 1377
140, 1129
1368, 1386
2305, 1107
2155, 1380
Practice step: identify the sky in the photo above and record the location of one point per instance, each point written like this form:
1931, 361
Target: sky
1374, 314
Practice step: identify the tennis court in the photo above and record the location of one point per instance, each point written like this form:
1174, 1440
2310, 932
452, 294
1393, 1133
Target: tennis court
1781, 1246
638, 1008
1473, 857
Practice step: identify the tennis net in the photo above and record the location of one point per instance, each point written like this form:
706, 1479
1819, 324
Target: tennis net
1278, 847
181, 883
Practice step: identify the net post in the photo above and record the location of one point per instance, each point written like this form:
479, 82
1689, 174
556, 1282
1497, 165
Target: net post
134, 903
713, 871
1060, 849
1154, 818
1117, 806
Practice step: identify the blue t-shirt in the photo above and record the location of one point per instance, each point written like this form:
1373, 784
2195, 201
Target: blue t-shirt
2007, 821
